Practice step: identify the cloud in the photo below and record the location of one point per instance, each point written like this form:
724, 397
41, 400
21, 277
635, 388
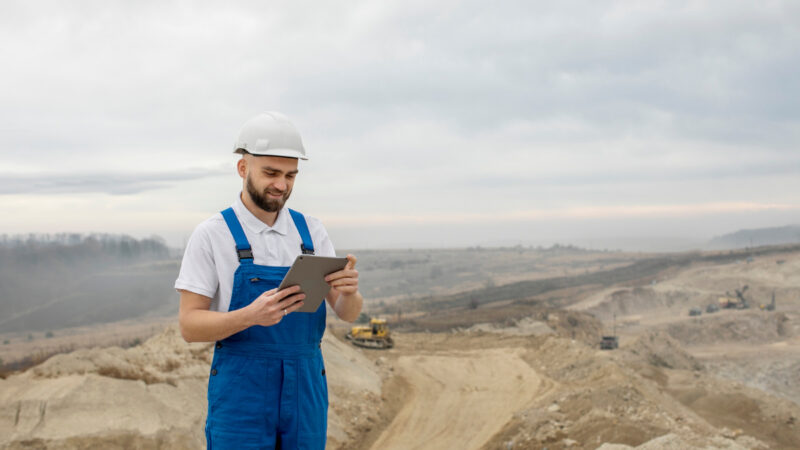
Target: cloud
583, 212
107, 183
480, 65
409, 107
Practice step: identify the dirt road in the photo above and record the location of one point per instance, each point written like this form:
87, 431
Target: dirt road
459, 399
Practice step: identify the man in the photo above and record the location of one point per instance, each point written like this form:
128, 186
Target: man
267, 385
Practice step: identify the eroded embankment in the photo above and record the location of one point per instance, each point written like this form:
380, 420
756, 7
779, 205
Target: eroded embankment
459, 399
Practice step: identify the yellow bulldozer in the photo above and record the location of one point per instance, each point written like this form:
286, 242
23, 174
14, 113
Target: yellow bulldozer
376, 335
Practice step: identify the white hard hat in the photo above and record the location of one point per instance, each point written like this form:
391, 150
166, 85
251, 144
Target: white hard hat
270, 134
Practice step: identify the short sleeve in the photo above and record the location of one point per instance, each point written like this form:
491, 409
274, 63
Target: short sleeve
322, 242
198, 272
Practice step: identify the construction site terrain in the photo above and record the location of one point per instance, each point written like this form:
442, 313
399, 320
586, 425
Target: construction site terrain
510, 360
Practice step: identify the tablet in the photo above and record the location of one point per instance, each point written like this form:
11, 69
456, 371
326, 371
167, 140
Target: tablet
309, 272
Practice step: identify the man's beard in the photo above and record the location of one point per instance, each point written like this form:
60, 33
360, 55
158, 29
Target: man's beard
262, 201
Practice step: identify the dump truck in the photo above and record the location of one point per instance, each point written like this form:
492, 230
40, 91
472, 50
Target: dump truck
609, 343
376, 335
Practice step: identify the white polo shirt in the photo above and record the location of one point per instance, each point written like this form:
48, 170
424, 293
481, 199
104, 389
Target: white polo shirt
210, 259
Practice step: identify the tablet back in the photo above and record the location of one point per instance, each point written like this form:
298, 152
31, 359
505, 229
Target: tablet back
309, 271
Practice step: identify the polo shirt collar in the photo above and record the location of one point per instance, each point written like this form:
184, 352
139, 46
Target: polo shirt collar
255, 224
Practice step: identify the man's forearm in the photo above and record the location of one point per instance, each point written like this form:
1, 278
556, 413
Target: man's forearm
348, 307
201, 325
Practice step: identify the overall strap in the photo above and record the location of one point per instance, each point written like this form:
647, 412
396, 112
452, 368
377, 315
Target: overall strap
243, 249
302, 227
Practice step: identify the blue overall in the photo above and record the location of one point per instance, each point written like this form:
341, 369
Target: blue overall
267, 387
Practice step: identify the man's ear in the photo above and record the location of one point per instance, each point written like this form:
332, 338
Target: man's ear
241, 167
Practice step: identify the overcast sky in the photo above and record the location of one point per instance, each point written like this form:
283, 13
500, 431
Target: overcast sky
427, 123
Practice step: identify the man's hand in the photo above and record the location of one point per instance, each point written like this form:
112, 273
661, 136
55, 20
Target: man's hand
198, 324
273, 305
345, 281
344, 297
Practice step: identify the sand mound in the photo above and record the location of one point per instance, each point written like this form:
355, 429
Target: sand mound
661, 350
487, 385
151, 396
527, 326
672, 441
80, 407
626, 301
599, 399
354, 391
165, 358
778, 376
732, 326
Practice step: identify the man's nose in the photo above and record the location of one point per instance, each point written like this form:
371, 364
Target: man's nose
280, 184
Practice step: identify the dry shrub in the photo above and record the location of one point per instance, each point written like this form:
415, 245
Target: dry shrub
127, 374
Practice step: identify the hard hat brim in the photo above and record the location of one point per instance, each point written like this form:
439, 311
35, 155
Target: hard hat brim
281, 152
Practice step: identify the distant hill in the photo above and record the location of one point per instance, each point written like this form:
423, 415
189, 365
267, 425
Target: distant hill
789, 234
49, 282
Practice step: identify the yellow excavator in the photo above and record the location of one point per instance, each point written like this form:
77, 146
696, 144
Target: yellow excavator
376, 335
737, 302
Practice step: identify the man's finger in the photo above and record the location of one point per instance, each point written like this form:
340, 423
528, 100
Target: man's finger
352, 273
274, 295
344, 282
267, 295
290, 300
287, 291
294, 307
351, 262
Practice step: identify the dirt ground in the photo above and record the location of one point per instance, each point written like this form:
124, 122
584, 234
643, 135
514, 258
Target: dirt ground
724, 380
486, 385
499, 390
728, 380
